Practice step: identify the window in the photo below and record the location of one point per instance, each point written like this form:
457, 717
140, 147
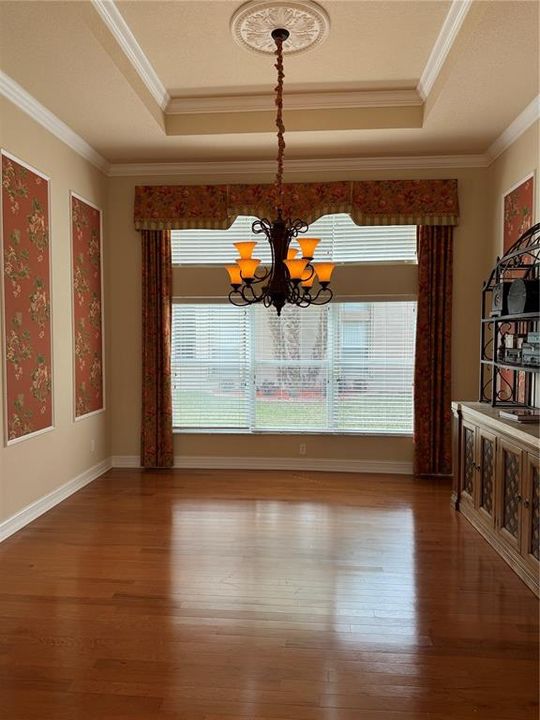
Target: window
341, 241
342, 367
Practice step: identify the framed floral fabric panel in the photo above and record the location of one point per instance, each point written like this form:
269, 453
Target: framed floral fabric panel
87, 302
518, 214
26, 291
518, 211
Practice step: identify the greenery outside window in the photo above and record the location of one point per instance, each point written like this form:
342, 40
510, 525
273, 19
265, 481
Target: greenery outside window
339, 368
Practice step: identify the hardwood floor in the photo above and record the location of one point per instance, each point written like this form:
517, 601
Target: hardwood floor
207, 595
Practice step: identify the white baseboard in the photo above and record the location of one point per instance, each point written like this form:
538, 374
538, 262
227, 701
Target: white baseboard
37, 508
126, 461
269, 463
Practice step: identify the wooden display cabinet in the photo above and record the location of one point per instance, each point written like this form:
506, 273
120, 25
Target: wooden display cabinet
497, 484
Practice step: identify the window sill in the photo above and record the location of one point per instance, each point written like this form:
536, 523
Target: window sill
338, 433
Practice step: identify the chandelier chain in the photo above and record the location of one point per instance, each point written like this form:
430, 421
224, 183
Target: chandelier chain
279, 122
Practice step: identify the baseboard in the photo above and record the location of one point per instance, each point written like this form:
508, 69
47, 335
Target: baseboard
267, 463
37, 508
126, 461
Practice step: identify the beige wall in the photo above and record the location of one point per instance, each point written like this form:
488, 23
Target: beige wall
472, 262
37, 466
515, 163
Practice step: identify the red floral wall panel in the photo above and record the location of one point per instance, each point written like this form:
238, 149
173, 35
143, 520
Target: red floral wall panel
517, 218
517, 212
87, 307
27, 301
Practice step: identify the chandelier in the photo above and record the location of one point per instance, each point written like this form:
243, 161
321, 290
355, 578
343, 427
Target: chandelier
292, 274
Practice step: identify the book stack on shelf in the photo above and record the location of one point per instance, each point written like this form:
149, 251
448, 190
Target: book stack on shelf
522, 415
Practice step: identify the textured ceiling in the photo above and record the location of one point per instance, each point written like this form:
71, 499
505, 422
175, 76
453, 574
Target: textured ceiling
65, 56
190, 45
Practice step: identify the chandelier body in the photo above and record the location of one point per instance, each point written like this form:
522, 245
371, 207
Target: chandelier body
288, 280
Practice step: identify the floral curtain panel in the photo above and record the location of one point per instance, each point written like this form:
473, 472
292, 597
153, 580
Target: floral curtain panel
433, 364
156, 425
369, 202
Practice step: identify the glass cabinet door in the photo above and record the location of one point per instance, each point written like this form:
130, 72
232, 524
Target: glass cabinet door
509, 470
486, 476
468, 445
531, 513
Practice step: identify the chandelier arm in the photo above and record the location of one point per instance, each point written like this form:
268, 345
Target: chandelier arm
303, 303
262, 226
252, 297
298, 226
326, 294
236, 298
311, 269
292, 292
260, 278
244, 289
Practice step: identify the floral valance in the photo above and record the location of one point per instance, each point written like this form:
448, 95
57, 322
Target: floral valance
369, 202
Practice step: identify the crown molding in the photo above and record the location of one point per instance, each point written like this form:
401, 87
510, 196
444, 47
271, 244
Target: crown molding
121, 31
295, 101
443, 44
516, 128
268, 167
16, 94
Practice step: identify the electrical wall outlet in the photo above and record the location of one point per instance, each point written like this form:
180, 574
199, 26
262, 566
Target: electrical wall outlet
302, 449
92, 445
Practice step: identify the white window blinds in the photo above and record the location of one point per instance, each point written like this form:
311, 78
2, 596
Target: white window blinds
337, 368
291, 367
341, 241
210, 366
373, 366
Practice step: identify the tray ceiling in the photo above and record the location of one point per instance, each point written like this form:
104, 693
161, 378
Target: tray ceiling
66, 56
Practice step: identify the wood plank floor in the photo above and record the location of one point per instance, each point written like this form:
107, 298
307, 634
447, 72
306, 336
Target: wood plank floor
270, 596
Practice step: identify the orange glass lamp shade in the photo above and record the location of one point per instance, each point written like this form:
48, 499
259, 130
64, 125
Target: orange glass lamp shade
291, 253
308, 246
296, 268
245, 249
324, 271
248, 267
234, 274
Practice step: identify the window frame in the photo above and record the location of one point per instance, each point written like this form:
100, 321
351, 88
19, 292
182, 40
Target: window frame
329, 364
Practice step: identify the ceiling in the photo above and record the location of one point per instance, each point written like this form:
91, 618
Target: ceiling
145, 81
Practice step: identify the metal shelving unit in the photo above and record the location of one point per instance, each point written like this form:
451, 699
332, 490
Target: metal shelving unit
503, 383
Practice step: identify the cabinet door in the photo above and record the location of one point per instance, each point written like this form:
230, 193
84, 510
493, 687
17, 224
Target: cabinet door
531, 513
508, 492
485, 498
468, 465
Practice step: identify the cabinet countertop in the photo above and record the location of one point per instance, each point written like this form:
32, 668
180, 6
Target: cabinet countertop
524, 433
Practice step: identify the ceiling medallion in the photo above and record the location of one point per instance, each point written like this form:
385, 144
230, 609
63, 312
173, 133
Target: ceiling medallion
307, 23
